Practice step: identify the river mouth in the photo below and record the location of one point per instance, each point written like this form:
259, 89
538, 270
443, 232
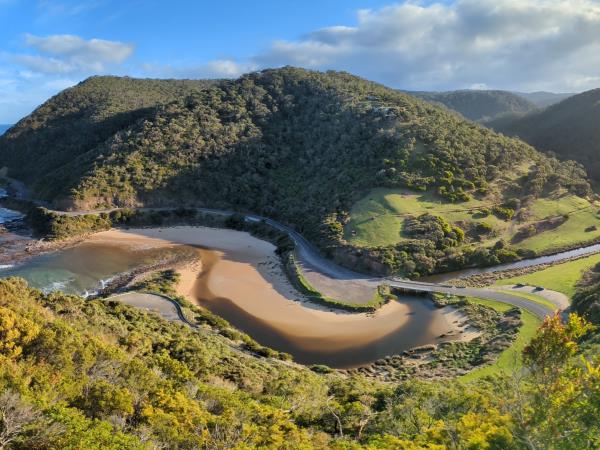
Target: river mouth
240, 279
87, 267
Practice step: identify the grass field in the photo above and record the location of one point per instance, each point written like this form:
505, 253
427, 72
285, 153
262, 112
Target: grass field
377, 219
561, 277
509, 359
582, 214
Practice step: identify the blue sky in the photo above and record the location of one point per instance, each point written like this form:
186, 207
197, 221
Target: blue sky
528, 45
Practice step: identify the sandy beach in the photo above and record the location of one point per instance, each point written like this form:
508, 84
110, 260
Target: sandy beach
243, 273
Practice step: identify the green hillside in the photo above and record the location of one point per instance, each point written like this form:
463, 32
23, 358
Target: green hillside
79, 119
542, 99
480, 105
90, 374
380, 219
568, 129
292, 144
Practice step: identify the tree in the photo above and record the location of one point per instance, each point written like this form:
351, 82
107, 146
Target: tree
15, 417
563, 395
15, 333
553, 345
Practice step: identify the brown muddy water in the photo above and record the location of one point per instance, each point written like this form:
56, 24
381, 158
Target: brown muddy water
316, 335
240, 281
419, 330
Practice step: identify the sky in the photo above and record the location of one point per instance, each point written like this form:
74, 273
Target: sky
522, 45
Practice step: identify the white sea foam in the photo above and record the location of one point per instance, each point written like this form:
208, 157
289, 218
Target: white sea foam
56, 286
106, 281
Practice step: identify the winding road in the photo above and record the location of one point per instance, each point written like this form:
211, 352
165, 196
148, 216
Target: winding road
310, 257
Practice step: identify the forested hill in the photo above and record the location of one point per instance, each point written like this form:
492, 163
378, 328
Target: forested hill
293, 144
479, 105
542, 99
80, 118
570, 129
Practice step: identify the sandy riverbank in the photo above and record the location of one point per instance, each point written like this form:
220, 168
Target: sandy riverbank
242, 274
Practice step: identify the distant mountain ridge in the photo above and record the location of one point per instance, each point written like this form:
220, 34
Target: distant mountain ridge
489, 105
570, 129
3, 128
479, 105
543, 99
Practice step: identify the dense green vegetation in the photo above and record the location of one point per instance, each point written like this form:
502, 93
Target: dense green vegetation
292, 144
568, 129
55, 226
92, 374
74, 122
479, 105
510, 359
586, 300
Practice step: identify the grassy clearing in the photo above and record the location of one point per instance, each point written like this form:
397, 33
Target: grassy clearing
561, 277
509, 359
377, 219
582, 215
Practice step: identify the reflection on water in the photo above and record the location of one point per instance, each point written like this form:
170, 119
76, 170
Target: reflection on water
83, 269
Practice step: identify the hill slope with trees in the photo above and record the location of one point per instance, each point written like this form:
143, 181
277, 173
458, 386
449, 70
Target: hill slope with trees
480, 105
296, 145
542, 99
568, 129
78, 373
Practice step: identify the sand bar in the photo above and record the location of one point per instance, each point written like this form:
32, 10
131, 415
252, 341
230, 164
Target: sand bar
243, 273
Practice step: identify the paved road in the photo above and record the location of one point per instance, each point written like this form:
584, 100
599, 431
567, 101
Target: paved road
164, 306
310, 257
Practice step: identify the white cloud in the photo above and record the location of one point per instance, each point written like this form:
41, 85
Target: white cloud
52, 64
63, 54
222, 68
524, 44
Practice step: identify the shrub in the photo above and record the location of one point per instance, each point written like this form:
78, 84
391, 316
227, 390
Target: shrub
483, 228
321, 368
503, 213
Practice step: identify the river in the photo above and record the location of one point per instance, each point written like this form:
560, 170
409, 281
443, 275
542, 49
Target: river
582, 251
240, 280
